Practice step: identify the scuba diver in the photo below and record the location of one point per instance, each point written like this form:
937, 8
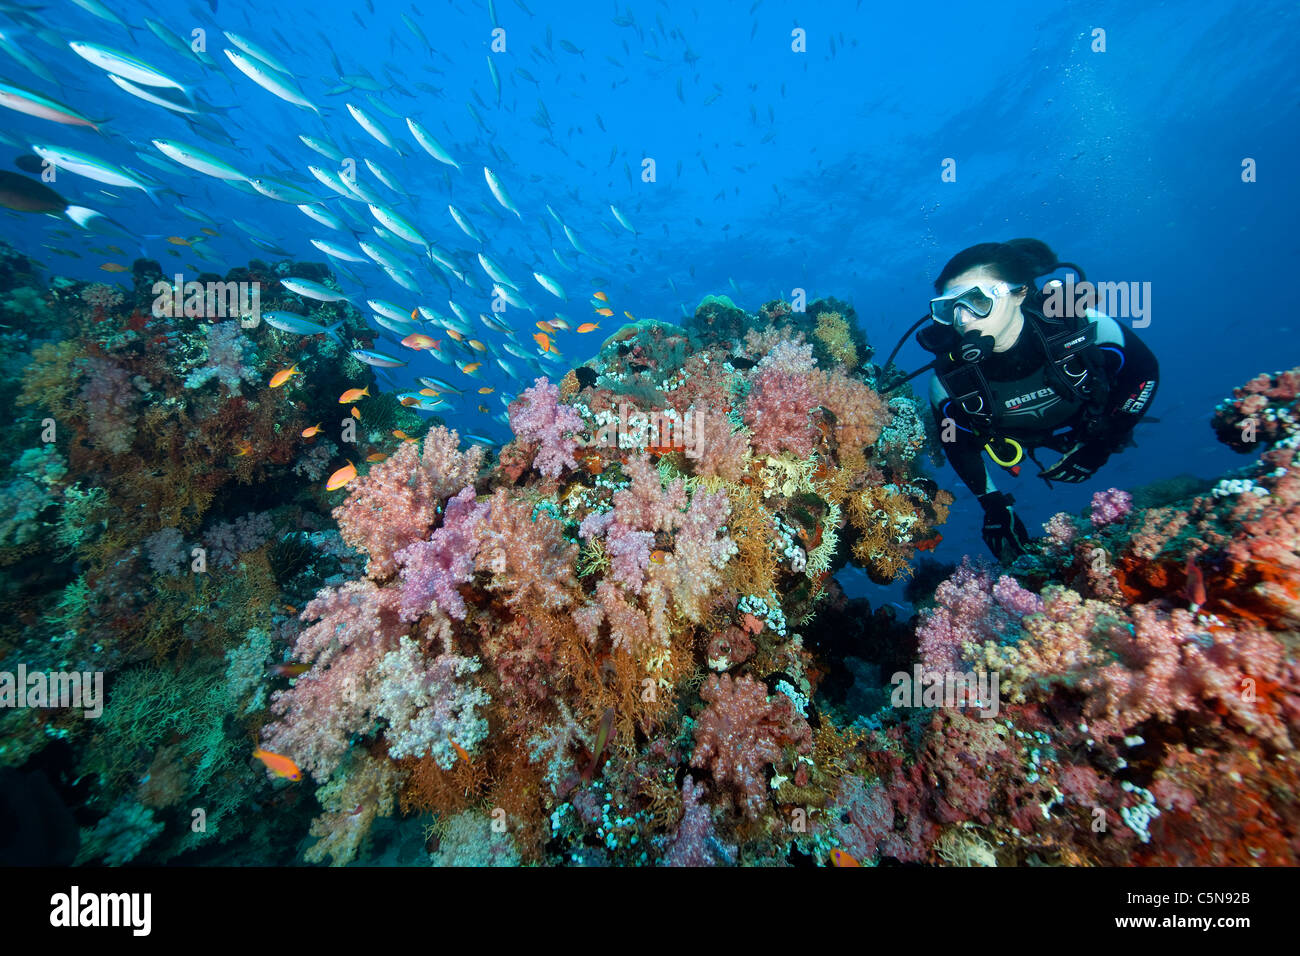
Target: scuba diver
1009, 379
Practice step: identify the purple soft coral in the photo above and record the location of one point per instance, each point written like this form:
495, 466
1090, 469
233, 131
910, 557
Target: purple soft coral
433, 570
537, 416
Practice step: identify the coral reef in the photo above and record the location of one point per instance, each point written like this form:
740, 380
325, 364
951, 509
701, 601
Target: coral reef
618, 640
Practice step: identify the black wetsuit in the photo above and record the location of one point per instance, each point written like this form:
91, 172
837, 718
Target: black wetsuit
1025, 398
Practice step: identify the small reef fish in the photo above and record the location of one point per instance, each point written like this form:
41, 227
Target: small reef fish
840, 858
354, 395
418, 340
377, 359
1195, 590
282, 376
300, 325
460, 751
603, 735
288, 670
588, 327
311, 432
341, 477
278, 764
114, 267
605, 312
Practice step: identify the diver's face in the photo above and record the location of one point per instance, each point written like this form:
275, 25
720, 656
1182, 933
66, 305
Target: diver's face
1004, 320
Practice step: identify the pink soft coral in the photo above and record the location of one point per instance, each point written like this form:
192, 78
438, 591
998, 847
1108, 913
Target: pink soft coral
396, 503
537, 417
971, 609
356, 625
778, 412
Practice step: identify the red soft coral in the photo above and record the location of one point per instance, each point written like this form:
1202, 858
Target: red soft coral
741, 731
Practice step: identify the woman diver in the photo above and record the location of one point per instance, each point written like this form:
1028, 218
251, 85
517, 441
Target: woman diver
1009, 379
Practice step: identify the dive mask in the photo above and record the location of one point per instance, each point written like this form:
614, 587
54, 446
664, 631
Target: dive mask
978, 299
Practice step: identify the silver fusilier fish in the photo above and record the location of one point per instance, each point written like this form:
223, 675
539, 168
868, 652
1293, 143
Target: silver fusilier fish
377, 359
300, 325
499, 191
430, 144
313, 290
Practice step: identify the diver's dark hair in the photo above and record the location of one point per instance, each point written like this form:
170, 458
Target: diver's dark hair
1019, 262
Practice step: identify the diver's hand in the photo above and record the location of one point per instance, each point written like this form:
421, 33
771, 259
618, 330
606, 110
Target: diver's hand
1078, 464
1003, 531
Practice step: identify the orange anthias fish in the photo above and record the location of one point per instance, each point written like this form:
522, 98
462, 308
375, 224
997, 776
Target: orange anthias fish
588, 327
341, 477
311, 432
658, 557
356, 413
375, 456
398, 433
601, 296
486, 390
354, 395
546, 326
544, 343
461, 752
113, 267
282, 376
455, 335
278, 764
840, 858
605, 312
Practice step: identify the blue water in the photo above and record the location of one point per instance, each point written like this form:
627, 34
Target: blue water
817, 170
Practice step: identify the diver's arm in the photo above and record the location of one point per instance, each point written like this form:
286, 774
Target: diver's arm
1133, 375
1003, 531
964, 451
